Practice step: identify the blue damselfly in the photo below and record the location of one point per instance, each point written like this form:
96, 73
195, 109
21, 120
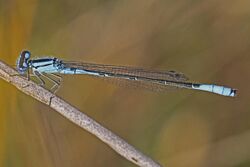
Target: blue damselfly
158, 80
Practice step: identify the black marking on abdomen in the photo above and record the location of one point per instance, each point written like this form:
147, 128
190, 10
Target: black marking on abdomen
73, 69
196, 85
233, 91
147, 79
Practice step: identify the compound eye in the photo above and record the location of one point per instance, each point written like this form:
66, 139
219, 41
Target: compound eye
22, 62
27, 54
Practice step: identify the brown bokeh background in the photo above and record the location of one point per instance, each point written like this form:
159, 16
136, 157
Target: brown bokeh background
208, 40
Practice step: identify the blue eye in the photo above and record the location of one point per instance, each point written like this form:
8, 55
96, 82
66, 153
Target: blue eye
26, 54
22, 61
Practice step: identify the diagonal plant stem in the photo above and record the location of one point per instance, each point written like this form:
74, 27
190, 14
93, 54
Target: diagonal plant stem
71, 113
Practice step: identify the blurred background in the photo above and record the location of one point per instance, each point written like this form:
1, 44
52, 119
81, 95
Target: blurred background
207, 40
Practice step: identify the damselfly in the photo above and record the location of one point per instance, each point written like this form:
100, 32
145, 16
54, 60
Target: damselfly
50, 68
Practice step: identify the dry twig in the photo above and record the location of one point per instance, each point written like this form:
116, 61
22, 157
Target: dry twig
71, 113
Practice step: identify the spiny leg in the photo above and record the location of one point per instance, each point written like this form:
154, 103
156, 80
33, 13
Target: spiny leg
57, 76
59, 81
56, 85
28, 74
38, 75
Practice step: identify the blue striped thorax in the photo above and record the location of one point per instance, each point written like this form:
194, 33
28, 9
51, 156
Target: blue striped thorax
45, 65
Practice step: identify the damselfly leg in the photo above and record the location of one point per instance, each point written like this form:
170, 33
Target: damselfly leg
56, 84
38, 76
57, 76
28, 74
49, 76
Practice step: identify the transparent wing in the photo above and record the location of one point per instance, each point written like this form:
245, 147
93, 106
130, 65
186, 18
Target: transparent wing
142, 85
128, 71
133, 77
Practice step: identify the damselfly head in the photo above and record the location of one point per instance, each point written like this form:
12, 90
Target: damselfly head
22, 64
